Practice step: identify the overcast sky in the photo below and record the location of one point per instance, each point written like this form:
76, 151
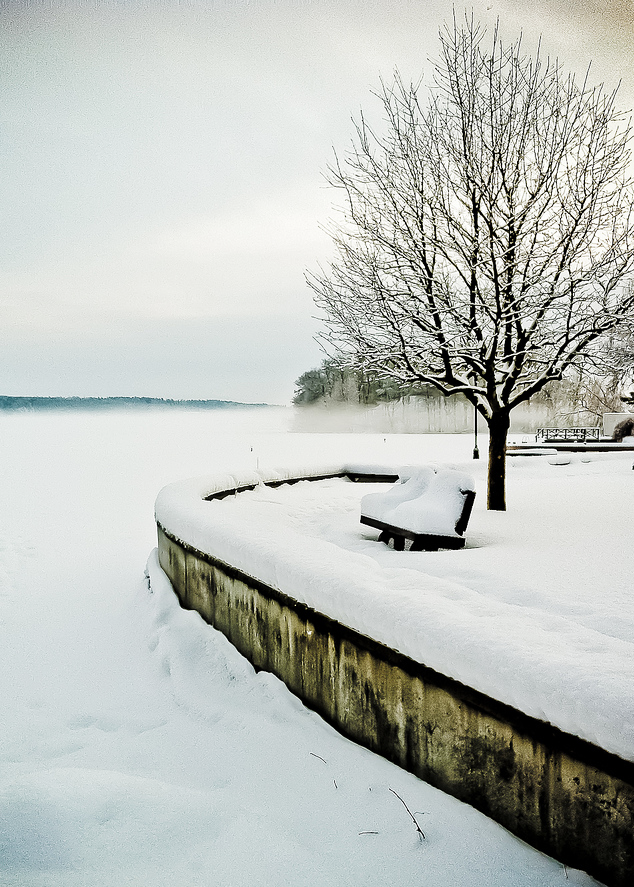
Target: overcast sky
161, 166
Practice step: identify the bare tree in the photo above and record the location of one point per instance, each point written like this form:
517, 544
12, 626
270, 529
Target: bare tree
591, 396
486, 236
620, 360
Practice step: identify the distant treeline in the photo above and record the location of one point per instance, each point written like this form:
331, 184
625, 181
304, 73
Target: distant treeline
331, 384
100, 403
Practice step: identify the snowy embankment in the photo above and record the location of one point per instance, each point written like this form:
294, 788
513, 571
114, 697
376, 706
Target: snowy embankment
536, 612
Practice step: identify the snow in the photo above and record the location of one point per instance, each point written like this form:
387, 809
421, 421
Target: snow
539, 594
428, 499
138, 747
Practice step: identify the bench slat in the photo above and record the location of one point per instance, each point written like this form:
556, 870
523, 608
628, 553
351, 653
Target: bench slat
420, 541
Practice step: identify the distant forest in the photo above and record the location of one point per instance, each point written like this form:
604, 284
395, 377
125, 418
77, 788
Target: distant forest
569, 402
334, 383
101, 403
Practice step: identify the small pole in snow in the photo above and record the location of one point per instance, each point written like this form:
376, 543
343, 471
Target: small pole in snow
476, 451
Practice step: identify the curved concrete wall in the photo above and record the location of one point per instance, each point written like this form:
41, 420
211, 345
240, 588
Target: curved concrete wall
559, 793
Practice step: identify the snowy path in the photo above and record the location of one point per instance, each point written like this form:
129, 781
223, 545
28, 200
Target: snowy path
137, 746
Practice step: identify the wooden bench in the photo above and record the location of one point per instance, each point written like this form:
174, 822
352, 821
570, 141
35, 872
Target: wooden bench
416, 509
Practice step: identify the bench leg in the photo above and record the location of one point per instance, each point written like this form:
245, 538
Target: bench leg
419, 545
399, 541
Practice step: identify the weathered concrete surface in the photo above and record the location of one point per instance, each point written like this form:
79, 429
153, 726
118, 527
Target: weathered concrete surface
559, 793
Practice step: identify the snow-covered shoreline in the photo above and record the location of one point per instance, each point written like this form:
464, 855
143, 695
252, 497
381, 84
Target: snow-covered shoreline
557, 647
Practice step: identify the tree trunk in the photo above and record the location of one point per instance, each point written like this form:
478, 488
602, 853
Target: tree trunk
499, 424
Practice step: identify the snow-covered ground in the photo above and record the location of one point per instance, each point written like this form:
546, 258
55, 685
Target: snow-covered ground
138, 748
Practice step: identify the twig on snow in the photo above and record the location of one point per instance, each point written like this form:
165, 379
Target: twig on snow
421, 833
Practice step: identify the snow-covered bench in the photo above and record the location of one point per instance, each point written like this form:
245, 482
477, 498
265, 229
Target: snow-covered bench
429, 505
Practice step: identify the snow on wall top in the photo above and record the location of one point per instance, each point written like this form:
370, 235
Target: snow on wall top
518, 614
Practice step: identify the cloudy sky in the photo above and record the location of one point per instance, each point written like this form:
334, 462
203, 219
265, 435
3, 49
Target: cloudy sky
161, 175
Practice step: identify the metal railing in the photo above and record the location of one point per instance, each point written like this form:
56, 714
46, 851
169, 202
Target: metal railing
576, 435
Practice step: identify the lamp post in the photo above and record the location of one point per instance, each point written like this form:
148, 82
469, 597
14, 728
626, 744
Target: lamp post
476, 451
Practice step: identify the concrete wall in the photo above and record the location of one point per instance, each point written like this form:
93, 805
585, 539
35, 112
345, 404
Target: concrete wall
559, 793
